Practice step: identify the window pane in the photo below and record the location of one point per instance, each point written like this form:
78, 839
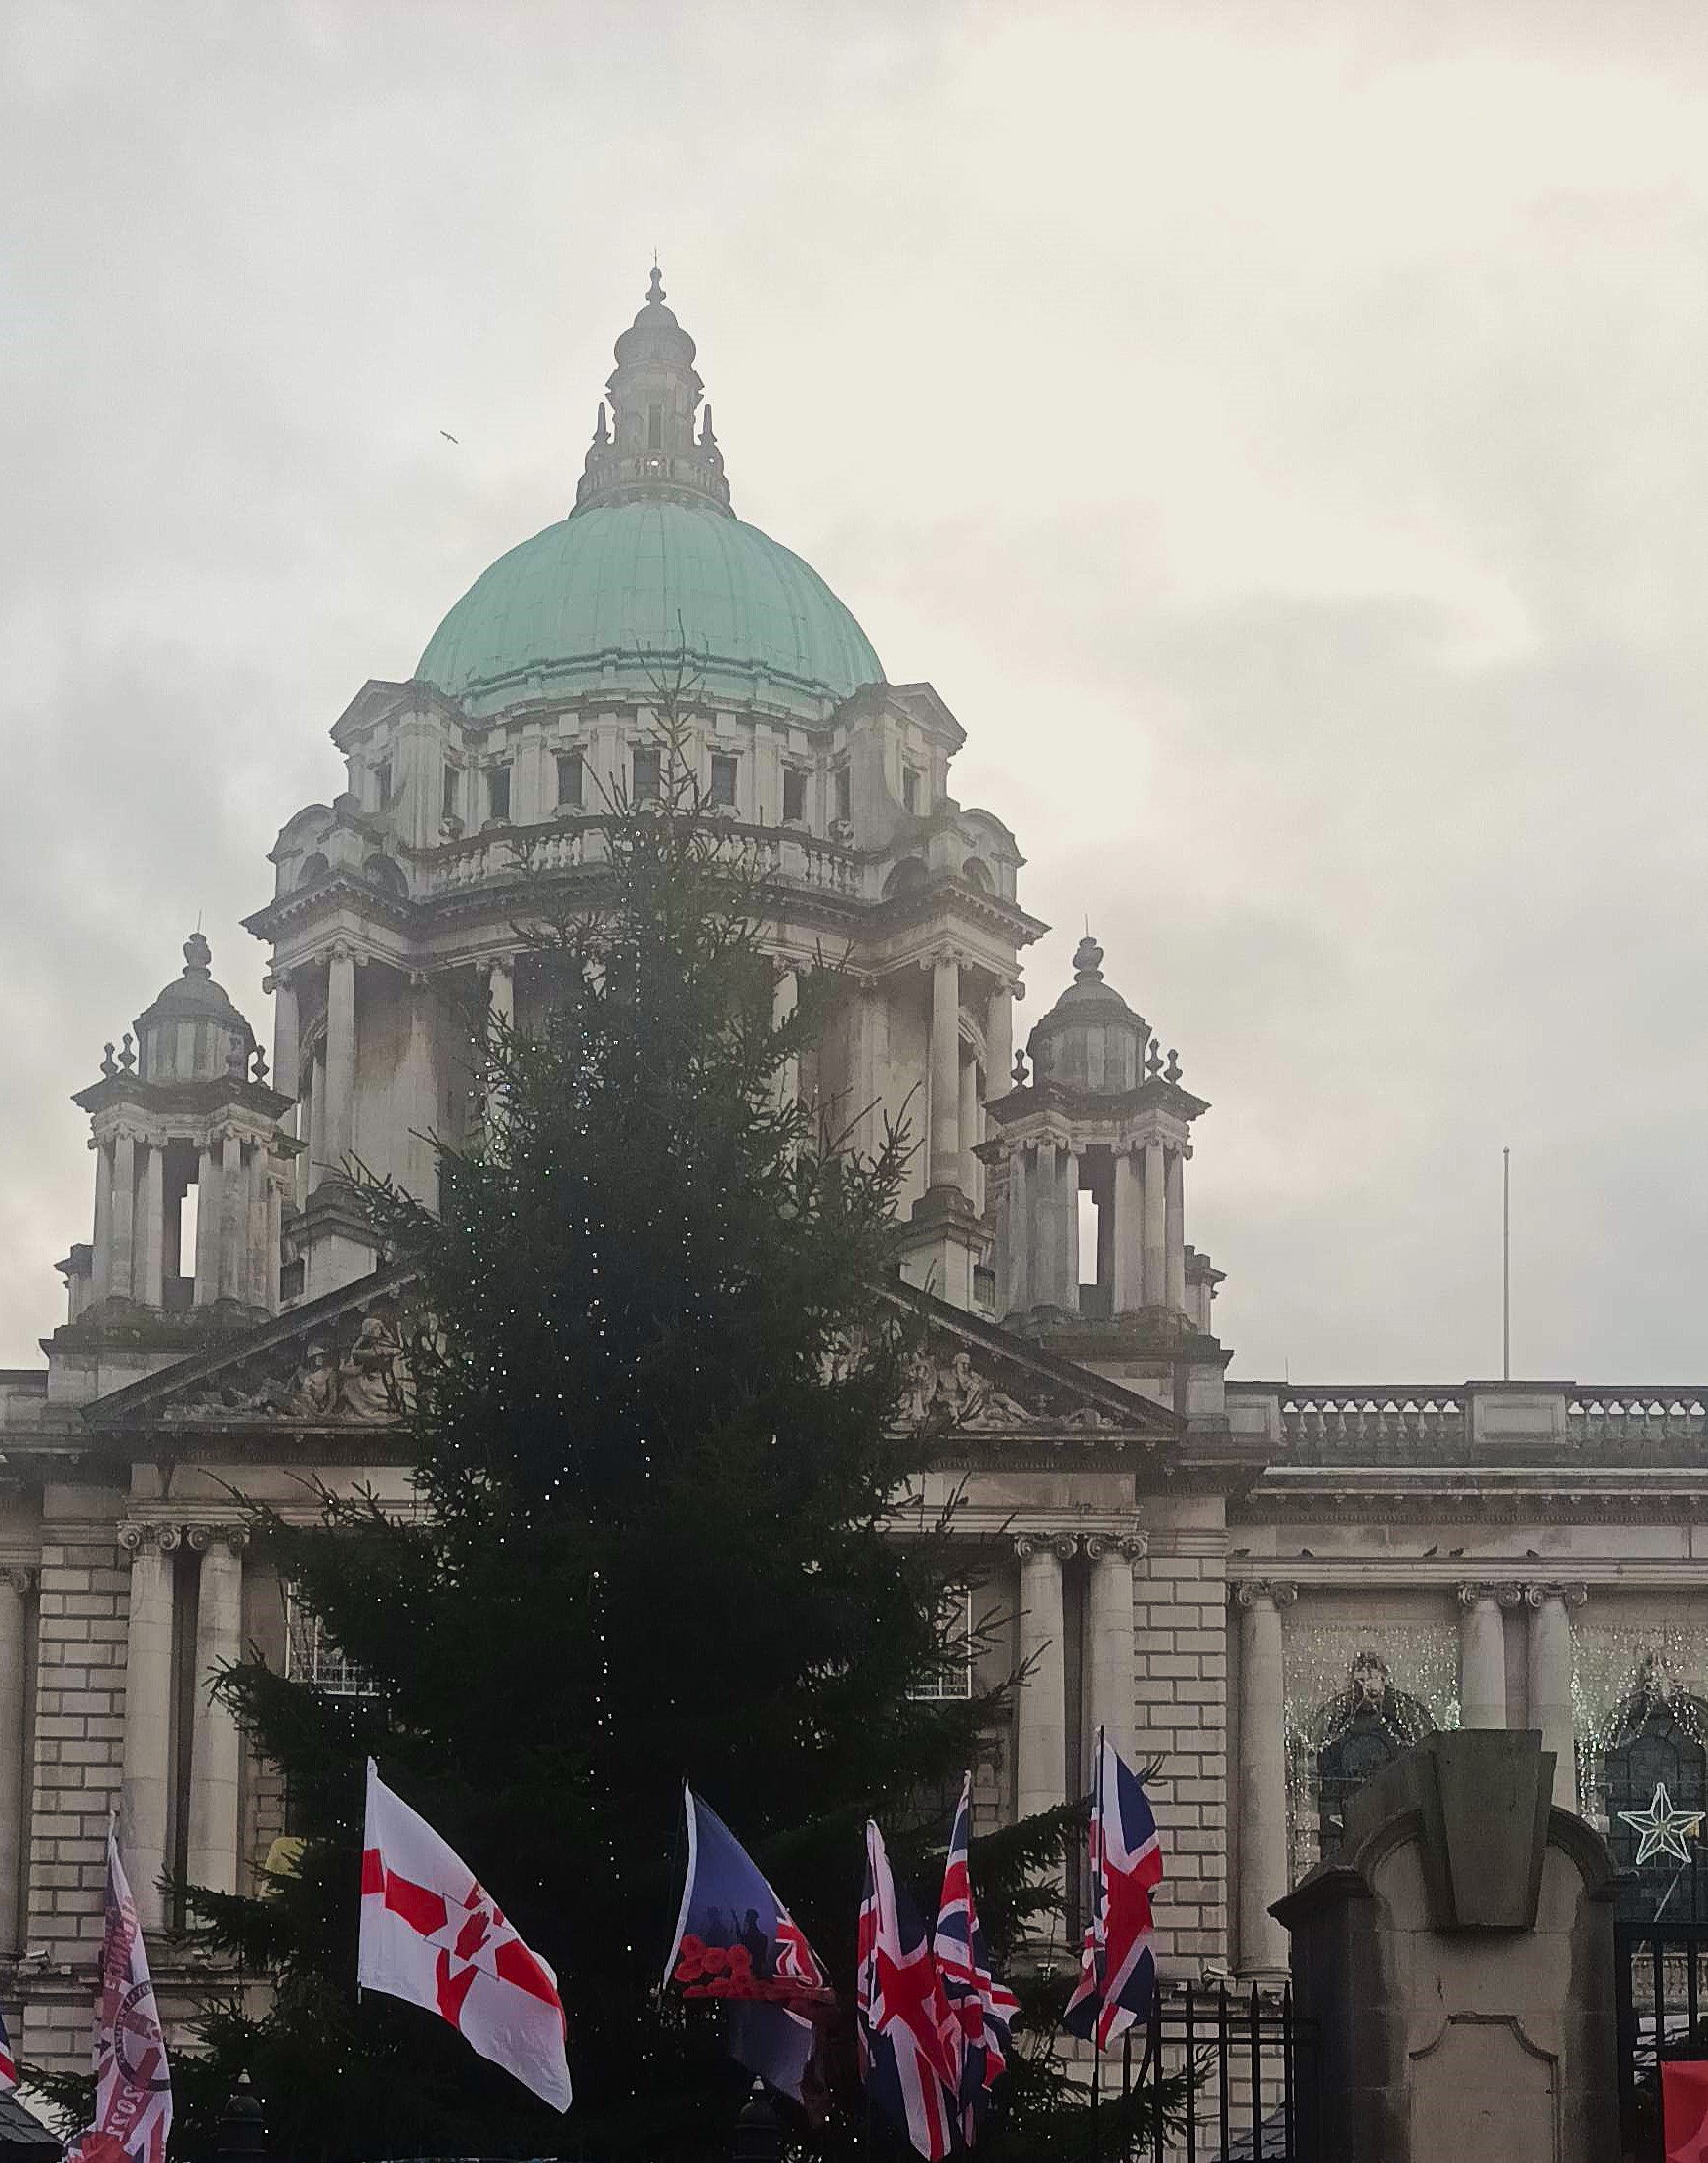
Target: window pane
909, 790
842, 792
794, 793
569, 779
645, 776
955, 1678
498, 792
723, 779
451, 791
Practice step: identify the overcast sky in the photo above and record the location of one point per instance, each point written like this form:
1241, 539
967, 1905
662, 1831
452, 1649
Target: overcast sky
1277, 429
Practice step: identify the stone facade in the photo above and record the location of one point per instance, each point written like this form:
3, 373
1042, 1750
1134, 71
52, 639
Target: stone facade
1267, 1589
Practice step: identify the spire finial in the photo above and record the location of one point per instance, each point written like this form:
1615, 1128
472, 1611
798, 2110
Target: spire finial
1088, 958
656, 290
198, 954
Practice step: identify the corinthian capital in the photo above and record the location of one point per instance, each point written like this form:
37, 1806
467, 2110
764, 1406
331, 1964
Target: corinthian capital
1256, 1592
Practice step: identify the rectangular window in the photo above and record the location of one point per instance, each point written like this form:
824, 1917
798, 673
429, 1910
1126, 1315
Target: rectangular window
311, 1657
645, 776
655, 428
452, 791
843, 794
383, 782
724, 772
498, 792
910, 790
954, 1680
569, 779
794, 793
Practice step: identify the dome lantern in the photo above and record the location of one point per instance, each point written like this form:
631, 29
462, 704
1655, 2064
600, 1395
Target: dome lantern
650, 449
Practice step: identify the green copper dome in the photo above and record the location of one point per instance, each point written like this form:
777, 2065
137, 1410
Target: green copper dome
652, 567
602, 598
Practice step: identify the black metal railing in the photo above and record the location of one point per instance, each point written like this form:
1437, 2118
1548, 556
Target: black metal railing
1660, 1985
1252, 2066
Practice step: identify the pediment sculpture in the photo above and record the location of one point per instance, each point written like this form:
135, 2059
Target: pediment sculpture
366, 1382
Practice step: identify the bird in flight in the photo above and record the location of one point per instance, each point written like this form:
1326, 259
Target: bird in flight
448, 437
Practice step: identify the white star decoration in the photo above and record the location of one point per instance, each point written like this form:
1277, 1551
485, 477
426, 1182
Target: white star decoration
1662, 1830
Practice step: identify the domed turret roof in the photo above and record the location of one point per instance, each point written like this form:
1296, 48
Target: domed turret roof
1090, 1038
651, 568
192, 1032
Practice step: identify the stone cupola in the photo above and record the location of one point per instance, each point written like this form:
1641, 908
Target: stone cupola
1090, 1039
187, 1113
193, 1032
647, 447
1103, 1116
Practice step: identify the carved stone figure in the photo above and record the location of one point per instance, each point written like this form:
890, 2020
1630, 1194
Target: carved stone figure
315, 1391
366, 1379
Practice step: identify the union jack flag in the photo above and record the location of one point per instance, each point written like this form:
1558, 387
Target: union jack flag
8, 2063
905, 2017
1118, 1972
980, 2009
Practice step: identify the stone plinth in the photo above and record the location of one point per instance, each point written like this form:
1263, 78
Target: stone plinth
1457, 1957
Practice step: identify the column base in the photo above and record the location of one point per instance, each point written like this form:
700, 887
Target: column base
944, 1248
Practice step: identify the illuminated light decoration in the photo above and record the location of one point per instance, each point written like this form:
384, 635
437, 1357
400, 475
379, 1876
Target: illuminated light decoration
1663, 1829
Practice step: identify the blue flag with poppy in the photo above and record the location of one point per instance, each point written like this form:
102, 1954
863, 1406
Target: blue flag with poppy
738, 1946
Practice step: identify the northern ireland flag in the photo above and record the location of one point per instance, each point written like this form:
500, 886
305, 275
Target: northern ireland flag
433, 1936
1117, 1974
1683, 2103
132, 2083
980, 2009
907, 2052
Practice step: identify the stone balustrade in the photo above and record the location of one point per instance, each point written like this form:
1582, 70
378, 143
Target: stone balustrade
1475, 1423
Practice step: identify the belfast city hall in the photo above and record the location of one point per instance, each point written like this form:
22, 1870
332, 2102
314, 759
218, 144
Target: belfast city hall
1270, 1589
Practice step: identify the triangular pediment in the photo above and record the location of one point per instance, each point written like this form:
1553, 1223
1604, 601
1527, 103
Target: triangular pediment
336, 1363
332, 1363
971, 1379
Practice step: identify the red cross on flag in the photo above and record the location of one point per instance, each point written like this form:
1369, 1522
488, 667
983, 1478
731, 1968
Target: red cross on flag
433, 1936
1684, 2098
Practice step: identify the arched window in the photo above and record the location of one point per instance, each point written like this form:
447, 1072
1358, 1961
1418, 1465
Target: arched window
1361, 1731
1657, 1745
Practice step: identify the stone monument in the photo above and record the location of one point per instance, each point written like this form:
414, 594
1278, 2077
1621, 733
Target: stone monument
1457, 1959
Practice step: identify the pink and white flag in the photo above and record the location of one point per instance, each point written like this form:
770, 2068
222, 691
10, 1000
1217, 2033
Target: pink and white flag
432, 1934
133, 2081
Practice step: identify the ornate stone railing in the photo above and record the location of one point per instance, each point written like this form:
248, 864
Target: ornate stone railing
494, 857
1372, 1425
1523, 1423
1636, 1415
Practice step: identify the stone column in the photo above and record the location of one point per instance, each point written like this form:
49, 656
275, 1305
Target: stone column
120, 1277
1041, 1710
972, 1130
1263, 1776
255, 1271
1482, 1654
14, 1590
270, 1293
151, 1232
207, 1224
1127, 1252
1550, 1681
317, 1135
234, 1216
783, 1002
1174, 1228
144, 1825
1155, 1226
101, 1254
216, 1744
946, 1071
287, 1072
999, 1042
1108, 1654
1018, 1292
339, 1119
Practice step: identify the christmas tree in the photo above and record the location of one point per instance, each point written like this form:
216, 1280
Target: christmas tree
652, 1416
